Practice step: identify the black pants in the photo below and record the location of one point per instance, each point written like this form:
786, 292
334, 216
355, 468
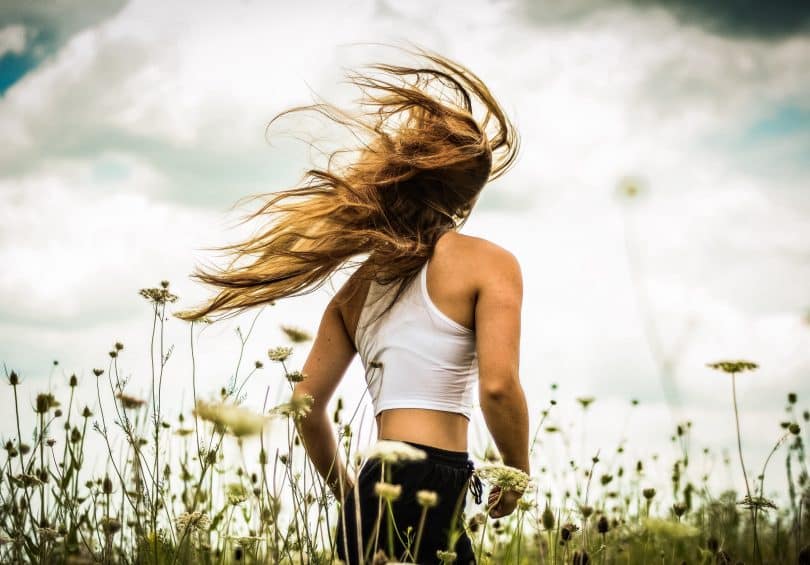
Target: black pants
447, 473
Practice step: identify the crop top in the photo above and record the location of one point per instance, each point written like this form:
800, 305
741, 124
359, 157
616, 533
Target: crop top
415, 356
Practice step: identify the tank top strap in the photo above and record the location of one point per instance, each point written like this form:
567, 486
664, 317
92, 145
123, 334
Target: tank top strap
431, 306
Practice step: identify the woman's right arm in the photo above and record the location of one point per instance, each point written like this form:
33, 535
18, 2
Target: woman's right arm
497, 328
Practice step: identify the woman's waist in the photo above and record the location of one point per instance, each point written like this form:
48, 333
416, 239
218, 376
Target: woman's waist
439, 429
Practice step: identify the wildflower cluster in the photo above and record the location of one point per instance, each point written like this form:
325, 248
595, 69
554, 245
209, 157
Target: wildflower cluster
158, 295
296, 408
393, 451
505, 477
235, 420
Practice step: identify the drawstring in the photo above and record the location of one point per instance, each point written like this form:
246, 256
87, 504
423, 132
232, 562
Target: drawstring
475, 483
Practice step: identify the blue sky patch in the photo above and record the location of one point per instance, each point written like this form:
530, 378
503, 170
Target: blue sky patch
788, 119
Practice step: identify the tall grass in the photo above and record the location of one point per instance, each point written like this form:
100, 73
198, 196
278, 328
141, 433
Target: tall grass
215, 486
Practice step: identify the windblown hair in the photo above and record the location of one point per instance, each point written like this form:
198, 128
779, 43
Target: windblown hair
422, 161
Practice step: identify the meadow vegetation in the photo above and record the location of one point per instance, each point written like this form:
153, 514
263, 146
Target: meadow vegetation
183, 488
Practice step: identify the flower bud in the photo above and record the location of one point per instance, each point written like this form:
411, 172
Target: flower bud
602, 525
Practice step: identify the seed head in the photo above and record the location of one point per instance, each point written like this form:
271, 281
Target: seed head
526, 504
794, 429
567, 531
580, 558
279, 354
236, 493
648, 493
427, 498
110, 525
387, 491
86, 412
630, 188
98, 372
733, 366
158, 295
548, 518
296, 335
129, 402
194, 522
602, 524
295, 376
759, 502
475, 521
45, 402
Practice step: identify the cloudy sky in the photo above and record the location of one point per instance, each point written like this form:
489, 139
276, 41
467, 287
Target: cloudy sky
130, 129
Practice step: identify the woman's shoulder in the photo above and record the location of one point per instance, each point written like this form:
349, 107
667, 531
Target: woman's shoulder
476, 251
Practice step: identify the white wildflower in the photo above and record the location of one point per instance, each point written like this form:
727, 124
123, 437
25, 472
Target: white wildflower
504, 476
298, 407
236, 493
236, 420
390, 451
279, 354
387, 491
193, 526
427, 498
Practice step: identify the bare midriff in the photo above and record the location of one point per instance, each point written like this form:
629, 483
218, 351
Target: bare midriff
436, 428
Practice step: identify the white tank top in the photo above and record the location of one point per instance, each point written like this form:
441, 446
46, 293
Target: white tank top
415, 356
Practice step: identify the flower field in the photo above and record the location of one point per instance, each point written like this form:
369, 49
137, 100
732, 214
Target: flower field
213, 486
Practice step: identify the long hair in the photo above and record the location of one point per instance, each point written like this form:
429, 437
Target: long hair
421, 163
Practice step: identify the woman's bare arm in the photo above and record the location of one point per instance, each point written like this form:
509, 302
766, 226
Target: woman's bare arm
331, 354
497, 328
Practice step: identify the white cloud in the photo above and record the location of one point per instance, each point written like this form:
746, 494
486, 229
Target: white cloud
12, 39
79, 244
111, 143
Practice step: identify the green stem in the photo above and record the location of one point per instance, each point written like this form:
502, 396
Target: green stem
419, 533
742, 464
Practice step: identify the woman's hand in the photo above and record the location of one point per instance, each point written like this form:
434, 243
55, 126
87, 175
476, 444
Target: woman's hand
502, 502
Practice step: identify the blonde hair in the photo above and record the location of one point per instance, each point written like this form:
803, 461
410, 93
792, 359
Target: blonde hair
419, 169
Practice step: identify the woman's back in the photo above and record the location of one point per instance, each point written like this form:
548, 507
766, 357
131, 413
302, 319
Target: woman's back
415, 356
421, 357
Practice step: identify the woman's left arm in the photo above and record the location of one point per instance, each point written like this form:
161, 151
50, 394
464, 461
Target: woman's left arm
331, 354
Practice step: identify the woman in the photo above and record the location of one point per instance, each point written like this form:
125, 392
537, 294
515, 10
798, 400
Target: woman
431, 312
